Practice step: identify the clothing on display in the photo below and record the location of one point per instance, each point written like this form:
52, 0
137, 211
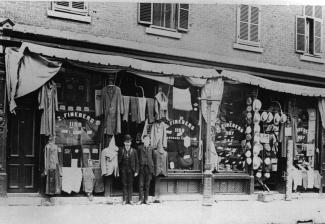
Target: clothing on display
151, 109
98, 95
134, 109
99, 184
71, 179
158, 133
161, 106
317, 179
160, 161
126, 104
52, 169
48, 103
112, 108
142, 109
109, 159
88, 179
182, 99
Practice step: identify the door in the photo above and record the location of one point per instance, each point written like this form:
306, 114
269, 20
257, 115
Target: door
22, 156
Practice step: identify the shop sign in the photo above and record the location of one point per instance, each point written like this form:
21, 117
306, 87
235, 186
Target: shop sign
179, 128
229, 131
76, 114
302, 134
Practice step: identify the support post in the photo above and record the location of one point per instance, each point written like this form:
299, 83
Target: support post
288, 193
207, 175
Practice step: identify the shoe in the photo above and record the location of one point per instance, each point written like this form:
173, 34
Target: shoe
139, 202
146, 202
124, 203
131, 203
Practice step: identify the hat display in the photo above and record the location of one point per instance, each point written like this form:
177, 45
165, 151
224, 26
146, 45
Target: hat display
127, 138
277, 118
267, 147
269, 128
257, 138
267, 161
283, 118
248, 130
248, 154
267, 175
257, 117
249, 115
243, 143
248, 145
249, 120
249, 101
249, 108
269, 117
258, 174
257, 128
249, 161
256, 162
257, 105
248, 137
264, 116
257, 148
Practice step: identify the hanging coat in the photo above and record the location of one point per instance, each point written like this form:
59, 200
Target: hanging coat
112, 108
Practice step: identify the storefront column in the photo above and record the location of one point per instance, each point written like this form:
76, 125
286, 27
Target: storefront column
288, 193
207, 175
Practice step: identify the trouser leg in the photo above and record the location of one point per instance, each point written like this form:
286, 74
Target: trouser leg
130, 185
147, 183
141, 184
124, 179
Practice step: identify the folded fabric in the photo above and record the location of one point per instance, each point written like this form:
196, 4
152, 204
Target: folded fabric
182, 99
126, 104
71, 179
142, 109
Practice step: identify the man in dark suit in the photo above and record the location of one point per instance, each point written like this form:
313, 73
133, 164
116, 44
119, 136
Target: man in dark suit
129, 168
146, 169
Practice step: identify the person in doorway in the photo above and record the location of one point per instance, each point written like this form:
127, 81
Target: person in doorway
129, 168
146, 169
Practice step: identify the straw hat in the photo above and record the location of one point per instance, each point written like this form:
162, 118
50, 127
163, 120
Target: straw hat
283, 118
267, 175
248, 137
257, 117
248, 145
264, 116
257, 128
243, 143
249, 115
257, 148
249, 101
267, 161
248, 130
257, 105
257, 138
267, 147
248, 153
259, 174
249, 108
256, 162
277, 119
269, 117
249, 161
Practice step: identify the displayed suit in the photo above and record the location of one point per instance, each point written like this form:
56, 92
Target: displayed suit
129, 165
146, 170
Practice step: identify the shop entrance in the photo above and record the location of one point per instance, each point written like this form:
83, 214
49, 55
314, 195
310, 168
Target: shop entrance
22, 153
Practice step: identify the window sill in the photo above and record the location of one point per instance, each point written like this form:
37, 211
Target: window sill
164, 33
248, 48
66, 15
312, 59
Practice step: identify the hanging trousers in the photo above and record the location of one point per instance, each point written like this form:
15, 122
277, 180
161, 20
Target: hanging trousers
127, 176
144, 183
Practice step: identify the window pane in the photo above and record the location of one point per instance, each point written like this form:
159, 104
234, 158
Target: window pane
164, 15
254, 33
243, 31
157, 14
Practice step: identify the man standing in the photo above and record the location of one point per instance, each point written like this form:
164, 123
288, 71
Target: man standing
129, 168
146, 169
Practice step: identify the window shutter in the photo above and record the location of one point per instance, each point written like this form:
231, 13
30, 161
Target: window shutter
80, 8
79, 5
183, 15
317, 36
309, 10
300, 34
318, 12
243, 22
254, 24
145, 13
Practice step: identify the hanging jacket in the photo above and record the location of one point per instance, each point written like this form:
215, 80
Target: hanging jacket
109, 159
158, 133
161, 106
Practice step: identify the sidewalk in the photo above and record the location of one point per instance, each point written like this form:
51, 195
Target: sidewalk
172, 212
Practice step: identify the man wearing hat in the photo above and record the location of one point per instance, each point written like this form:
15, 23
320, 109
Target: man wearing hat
146, 169
129, 168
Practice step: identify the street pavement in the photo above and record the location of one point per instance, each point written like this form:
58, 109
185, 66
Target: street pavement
171, 212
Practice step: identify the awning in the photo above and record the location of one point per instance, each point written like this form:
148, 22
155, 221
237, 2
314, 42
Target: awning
195, 75
273, 85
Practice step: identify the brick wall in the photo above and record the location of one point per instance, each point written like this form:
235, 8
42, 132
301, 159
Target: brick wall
212, 29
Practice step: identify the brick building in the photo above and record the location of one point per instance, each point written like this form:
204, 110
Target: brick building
282, 44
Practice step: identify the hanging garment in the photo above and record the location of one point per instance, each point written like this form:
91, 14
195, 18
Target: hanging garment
98, 95
99, 184
112, 107
142, 109
161, 106
158, 133
151, 109
160, 159
109, 159
214, 90
317, 179
88, 179
134, 108
126, 104
71, 179
48, 103
296, 178
310, 177
304, 179
182, 99
321, 108
52, 169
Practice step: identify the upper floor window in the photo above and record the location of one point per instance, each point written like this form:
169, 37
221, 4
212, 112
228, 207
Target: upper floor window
309, 31
248, 25
70, 10
166, 16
